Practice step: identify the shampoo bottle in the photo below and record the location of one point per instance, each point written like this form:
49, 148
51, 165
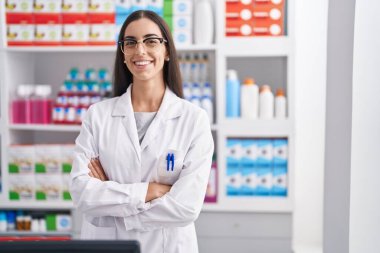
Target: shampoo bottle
280, 104
203, 22
232, 95
266, 109
249, 99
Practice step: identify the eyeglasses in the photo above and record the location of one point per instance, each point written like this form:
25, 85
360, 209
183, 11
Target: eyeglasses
129, 46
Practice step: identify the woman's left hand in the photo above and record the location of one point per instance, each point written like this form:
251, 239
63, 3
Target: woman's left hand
96, 170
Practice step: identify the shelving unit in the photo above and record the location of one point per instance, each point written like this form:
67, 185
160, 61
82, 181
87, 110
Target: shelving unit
35, 64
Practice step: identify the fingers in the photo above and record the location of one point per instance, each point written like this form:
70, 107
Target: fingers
93, 172
98, 169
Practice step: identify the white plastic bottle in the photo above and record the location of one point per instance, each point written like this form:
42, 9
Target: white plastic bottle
249, 99
280, 104
207, 105
203, 22
266, 104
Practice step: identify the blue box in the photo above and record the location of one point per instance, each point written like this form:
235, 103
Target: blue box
280, 181
264, 176
234, 153
265, 152
233, 185
280, 152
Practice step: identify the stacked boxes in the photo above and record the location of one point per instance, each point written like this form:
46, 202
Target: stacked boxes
101, 17
40, 172
178, 15
255, 17
20, 22
60, 22
75, 27
256, 167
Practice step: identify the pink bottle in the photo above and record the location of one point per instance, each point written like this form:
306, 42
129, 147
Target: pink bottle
42, 105
21, 106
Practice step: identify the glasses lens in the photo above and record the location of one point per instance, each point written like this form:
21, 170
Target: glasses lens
128, 47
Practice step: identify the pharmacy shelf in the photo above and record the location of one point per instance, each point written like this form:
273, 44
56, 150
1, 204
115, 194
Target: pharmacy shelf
41, 127
47, 205
257, 128
83, 49
257, 47
28, 233
59, 128
267, 204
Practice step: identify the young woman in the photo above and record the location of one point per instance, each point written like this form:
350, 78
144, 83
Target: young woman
143, 158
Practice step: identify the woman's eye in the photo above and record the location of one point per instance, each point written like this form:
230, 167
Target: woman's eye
152, 42
130, 43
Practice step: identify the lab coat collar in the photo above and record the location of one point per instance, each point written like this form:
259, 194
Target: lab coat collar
170, 107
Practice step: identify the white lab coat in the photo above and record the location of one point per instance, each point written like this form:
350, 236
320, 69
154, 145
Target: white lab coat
116, 209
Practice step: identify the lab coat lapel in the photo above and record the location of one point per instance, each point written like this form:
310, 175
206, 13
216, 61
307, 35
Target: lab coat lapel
124, 108
169, 109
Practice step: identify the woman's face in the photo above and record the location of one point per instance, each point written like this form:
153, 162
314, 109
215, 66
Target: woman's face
145, 63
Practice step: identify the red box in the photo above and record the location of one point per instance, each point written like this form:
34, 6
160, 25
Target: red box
20, 29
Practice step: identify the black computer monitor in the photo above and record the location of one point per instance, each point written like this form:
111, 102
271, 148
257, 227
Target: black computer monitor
74, 246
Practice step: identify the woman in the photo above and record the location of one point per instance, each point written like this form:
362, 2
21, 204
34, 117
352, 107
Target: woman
143, 158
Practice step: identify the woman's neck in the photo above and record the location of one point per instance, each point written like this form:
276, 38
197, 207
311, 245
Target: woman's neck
147, 96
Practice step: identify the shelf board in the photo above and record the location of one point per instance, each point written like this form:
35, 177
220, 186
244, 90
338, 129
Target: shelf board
96, 48
49, 127
256, 47
268, 204
259, 128
29, 233
32, 205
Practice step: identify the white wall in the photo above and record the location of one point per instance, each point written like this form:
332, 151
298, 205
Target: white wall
311, 39
365, 169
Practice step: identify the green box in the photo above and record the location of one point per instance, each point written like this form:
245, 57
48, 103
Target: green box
51, 222
168, 7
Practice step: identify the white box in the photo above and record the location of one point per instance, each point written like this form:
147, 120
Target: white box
48, 33
21, 159
21, 187
19, 6
182, 7
75, 33
75, 6
20, 33
48, 187
48, 159
102, 33
101, 6
47, 6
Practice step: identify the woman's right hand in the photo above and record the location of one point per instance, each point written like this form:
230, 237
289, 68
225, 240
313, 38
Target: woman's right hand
156, 190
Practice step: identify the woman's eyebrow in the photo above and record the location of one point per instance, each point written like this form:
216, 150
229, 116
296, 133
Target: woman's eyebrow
145, 36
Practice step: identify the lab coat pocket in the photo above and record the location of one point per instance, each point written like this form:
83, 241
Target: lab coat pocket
92, 232
170, 166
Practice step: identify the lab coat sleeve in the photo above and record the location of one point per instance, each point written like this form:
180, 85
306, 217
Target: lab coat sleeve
182, 205
97, 198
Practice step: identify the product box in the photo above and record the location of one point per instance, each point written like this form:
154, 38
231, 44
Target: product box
47, 12
178, 7
182, 37
138, 5
212, 188
123, 7
250, 153
74, 6
21, 159
75, 29
177, 23
265, 152
279, 181
234, 28
63, 222
67, 156
234, 152
233, 181
269, 18
21, 187
102, 34
48, 34
47, 159
48, 187
264, 177
156, 6
101, 6
19, 6
20, 29
65, 187
280, 152
250, 181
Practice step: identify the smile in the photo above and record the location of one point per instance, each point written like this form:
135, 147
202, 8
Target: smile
142, 63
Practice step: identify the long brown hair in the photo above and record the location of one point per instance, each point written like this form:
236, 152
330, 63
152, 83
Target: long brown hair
122, 77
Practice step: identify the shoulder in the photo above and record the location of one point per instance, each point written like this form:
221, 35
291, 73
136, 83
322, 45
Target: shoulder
191, 111
103, 106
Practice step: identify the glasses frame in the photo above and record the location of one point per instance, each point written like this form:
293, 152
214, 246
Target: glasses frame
121, 43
